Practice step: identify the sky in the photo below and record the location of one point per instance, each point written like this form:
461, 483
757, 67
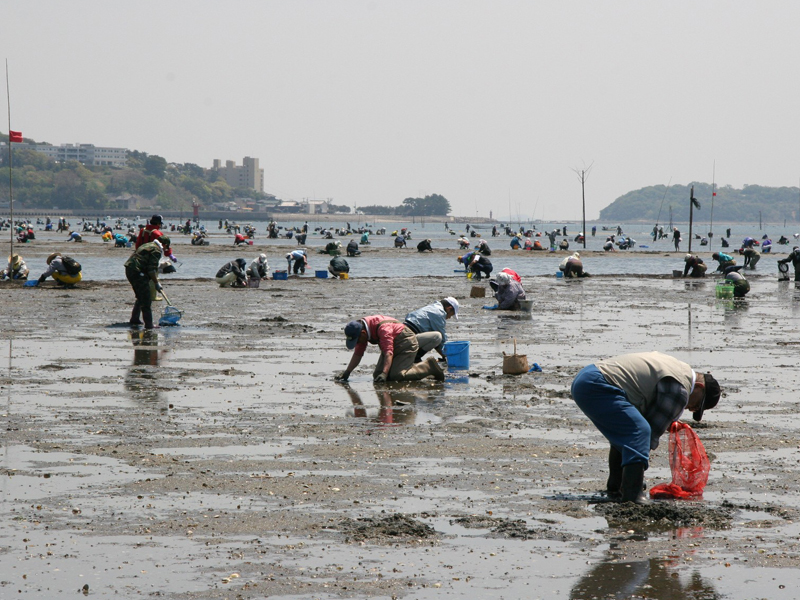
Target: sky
493, 104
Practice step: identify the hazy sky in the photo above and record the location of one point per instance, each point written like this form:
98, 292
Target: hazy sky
491, 103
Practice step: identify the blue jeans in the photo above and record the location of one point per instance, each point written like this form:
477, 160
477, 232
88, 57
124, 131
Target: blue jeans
607, 406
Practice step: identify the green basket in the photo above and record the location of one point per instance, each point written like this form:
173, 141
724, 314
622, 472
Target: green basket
724, 290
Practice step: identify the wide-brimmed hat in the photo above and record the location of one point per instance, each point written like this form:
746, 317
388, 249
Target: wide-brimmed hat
52, 256
710, 396
351, 331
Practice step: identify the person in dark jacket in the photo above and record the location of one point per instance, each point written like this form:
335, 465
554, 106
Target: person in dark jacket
483, 248
477, 264
338, 265
572, 266
233, 274
140, 269
424, 246
694, 264
352, 248
740, 284
794, 258
676, 238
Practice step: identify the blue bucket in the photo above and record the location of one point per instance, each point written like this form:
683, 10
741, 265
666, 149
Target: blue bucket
457, 354
321, 274
559, 274
276, 275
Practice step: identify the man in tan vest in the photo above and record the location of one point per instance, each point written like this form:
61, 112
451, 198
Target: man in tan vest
633, 399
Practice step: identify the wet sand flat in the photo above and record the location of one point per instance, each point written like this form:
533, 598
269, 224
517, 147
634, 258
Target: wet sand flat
219, 459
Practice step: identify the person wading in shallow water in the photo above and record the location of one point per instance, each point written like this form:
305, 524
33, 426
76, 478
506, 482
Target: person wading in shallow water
140, 269
633, 399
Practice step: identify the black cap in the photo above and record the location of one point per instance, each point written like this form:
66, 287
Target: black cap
710, 397
156, 220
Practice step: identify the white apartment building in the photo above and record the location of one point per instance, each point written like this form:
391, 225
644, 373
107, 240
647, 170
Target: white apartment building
87, 154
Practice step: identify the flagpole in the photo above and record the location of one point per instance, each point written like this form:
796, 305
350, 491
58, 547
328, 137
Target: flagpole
10, 180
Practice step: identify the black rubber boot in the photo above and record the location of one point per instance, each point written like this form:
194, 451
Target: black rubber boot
135, 313
147, 315
614, 482
633, 484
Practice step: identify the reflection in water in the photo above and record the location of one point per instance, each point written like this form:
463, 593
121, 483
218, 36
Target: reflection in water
734, 311
141, 380
397, 406
639, 579
8, 425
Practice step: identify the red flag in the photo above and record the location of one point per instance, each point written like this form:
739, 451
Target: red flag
15, 136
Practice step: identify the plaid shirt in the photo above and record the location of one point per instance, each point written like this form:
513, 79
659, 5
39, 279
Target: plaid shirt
671, 400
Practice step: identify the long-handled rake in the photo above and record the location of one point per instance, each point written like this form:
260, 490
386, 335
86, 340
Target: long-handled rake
171, 315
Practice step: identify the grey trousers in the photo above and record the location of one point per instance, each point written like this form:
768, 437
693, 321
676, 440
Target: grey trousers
428, 341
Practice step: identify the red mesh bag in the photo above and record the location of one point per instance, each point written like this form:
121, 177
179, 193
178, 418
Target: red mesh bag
688, 462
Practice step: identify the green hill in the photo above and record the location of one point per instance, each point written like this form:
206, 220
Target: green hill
40, 182
730, 205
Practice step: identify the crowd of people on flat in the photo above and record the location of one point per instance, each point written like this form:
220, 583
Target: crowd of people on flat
507, 286
632, 399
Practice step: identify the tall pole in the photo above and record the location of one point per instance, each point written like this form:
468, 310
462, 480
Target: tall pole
583, 198
693, 203
10, 181
691, 217
582, 175
713, 196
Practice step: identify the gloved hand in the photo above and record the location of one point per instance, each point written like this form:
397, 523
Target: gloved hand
493, 307
159, 288
343, 376
381, 378
173, 258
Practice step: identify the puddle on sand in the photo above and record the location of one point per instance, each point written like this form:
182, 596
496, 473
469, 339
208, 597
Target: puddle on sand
232, 452
119, 566
31, 473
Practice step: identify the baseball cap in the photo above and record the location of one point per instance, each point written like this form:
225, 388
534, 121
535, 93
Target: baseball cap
352, 330
710, 396
156, 220
454, 303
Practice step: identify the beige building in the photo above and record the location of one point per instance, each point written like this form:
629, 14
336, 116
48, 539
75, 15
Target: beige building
249, 175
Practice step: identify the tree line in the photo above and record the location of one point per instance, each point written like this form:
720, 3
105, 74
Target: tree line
431, 205
747, 204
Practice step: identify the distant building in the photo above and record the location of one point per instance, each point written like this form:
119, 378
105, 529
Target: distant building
131, 202
86, 154
249, 175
